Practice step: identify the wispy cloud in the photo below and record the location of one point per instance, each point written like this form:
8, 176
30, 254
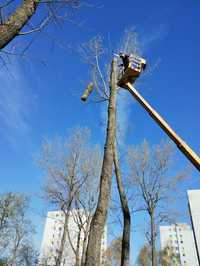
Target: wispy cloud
154, 36
13, 103
124, 102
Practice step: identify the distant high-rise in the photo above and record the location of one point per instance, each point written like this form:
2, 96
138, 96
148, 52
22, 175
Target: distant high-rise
53, 232
194, 207
179, 238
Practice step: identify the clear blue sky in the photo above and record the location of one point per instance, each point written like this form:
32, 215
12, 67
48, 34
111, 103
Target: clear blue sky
38, 100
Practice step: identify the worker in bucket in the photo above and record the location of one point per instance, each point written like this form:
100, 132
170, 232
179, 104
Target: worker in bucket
129, 60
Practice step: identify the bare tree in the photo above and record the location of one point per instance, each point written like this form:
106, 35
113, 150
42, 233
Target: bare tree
167, 257
128, 45
144, 257
85, 203
28, 256
99, 218
14, 16
100, 81
153, 183
71, 168
7, 212
113, 253
16, 229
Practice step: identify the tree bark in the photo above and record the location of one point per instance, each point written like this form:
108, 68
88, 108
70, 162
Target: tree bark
99, 219
12, 26
78, 249
125, 255
63, 240
85, 240
153, 239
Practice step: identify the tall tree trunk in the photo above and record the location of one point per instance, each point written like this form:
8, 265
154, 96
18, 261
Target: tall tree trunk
63, 240
125, 255
153, 239
85, 240
12, 26
78, 248
99, 219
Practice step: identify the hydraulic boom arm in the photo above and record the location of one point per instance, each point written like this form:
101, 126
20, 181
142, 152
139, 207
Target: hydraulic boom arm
183, 147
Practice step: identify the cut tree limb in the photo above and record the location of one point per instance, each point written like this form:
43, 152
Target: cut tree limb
87, 92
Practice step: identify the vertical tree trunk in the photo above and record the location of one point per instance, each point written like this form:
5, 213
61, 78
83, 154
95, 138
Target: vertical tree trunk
99, 219
78, 248
125, 255
63, 240
85, 240
153, 239
11, 28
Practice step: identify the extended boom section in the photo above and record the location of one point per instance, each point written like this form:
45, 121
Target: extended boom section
183, 147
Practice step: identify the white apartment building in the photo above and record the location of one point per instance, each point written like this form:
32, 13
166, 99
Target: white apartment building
179, 237
194, 207
52, 236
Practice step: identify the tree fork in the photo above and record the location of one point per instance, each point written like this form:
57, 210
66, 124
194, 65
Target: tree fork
99, 219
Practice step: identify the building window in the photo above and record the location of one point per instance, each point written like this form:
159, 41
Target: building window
183, 255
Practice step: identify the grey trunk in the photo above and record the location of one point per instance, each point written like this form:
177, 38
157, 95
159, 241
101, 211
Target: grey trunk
85, 241
125, 255
153, 240
78, 248
63, 240
99, 219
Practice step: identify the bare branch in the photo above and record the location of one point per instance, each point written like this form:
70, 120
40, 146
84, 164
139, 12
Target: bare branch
39, 28
7, 3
